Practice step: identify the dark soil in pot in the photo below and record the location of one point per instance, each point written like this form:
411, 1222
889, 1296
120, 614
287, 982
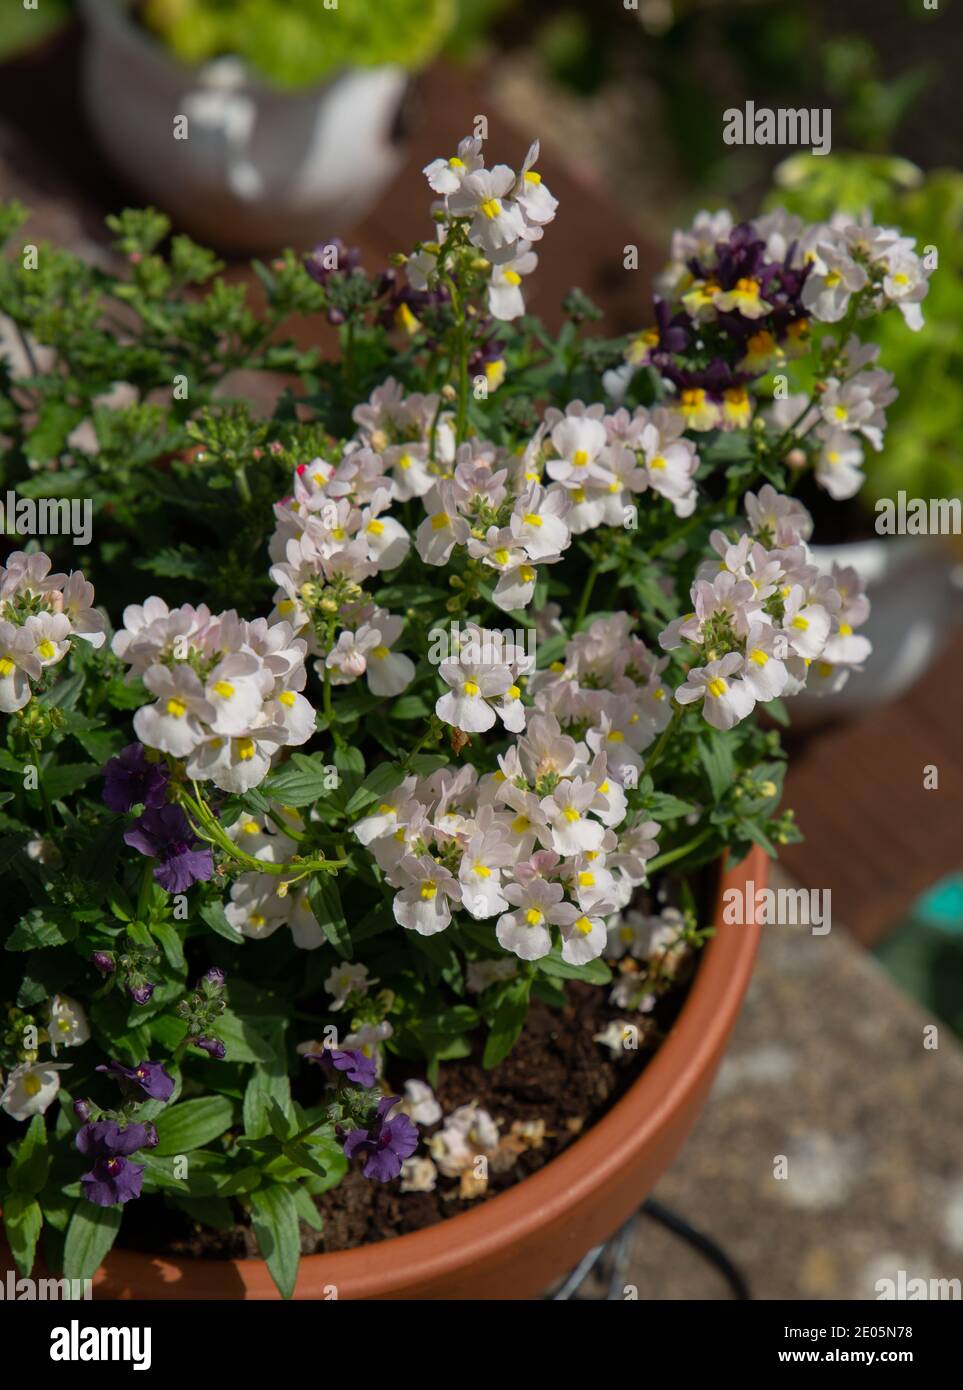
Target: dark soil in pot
556, 1073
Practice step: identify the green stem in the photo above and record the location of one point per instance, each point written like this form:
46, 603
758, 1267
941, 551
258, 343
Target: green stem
589, 585
673, 855
208, 828
663, 739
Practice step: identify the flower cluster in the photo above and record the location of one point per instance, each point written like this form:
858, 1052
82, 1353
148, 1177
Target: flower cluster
109, 1138
40, 613
504, 212
765, 618
545, 841
737, 303
226, 691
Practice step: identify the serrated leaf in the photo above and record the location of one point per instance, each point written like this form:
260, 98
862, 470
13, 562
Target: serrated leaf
190, 1124
274, 1217
31, 1163
325, 899
90, 1235
300, 782
22, 1221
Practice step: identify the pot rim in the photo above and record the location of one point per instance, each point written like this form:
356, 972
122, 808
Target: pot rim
389, 1267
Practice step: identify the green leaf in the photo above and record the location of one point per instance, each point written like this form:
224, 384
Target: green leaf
160, 1172
31, 1162
274, 1216
300, 782
42, 927
594, 972
508, 1021
171, 942
307, 1211
91, 1233
65, 778
410, 707
192, 1123
243, 1041
378, 783
269, 1085
55, 421
662, 807
325, 899
22, 1220
716, 757
213, 914
281, 1122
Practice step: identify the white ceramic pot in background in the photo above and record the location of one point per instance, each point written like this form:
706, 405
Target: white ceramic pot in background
261, 168
916, 592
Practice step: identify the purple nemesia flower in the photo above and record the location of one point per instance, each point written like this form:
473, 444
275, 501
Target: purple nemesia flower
150, 1077
215, 976
213, 1046
112, 1180
153, 1138
142, 993
356, 1066
166, 835
318, 263
387, 1143
131, 778
107, 1139
103, 962
82, 1109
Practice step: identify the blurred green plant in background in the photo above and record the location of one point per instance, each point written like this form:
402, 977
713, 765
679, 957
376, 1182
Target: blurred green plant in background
293, 43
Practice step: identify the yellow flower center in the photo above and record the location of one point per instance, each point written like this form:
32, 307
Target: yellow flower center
491, 207
375, 528
759, 657
46, 649
429, 889
580, 458
533, 917
571, 814
439, 521
532, 519
176, 708
717, 687
287, 698
583, 925
223, 688
470, 688
245, 749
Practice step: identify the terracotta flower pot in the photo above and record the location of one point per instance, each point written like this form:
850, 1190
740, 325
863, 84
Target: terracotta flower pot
515, 1245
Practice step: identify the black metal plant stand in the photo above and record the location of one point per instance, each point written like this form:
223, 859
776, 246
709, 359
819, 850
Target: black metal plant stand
613, 1255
